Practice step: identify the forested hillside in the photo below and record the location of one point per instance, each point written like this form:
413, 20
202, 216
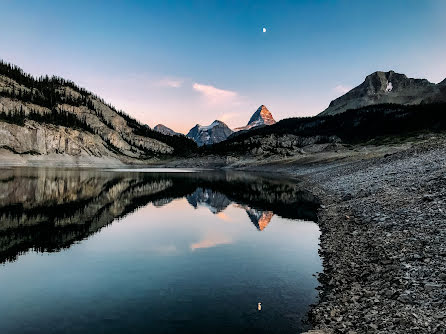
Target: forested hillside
37, 113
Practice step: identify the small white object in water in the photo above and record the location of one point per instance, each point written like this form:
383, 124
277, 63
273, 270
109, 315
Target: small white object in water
264, 29
259, 306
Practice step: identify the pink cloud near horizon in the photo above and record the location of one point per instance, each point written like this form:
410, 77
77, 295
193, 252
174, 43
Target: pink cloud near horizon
213, 94
210, 242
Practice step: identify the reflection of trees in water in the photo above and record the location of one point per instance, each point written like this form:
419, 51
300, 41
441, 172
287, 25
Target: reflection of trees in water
49, 209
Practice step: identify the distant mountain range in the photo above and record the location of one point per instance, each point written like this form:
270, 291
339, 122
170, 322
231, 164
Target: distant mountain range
388, 87
51, 116
219, 131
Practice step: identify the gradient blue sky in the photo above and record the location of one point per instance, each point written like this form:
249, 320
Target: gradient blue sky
185, 62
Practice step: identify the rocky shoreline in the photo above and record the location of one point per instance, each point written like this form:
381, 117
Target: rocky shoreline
383, 242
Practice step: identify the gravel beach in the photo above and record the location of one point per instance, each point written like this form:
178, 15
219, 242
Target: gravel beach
383, 242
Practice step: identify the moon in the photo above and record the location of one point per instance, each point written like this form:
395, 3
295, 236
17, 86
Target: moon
264, 29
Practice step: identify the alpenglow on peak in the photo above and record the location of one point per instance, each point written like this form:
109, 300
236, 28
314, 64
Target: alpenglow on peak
262, 116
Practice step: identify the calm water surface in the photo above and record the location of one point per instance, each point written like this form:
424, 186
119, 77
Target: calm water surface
91, 251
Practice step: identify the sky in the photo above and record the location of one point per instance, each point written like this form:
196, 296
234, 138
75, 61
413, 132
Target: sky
180, 63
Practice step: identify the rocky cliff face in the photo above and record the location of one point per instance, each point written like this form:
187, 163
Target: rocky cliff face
211, 134
261, 117
165, 130
54, 116
43, 139
388, 87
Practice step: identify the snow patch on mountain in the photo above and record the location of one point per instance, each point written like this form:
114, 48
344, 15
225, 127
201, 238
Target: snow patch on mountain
216, 132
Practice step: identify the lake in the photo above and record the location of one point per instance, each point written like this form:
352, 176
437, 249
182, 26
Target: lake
155, 251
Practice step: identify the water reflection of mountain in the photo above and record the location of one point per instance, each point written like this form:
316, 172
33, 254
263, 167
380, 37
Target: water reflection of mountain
215, 201
49, 209
259, 218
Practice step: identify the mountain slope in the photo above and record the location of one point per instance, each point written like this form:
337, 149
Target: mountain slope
388, 87
161, 128
211, 134
261, 117
53, 116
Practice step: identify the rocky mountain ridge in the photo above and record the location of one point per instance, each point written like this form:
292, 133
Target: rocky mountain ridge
219, 131
388, 87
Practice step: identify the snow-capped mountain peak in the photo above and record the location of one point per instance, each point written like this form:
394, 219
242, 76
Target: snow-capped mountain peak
216, 132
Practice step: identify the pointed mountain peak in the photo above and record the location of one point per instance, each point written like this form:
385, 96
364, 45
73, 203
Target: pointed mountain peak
262, 116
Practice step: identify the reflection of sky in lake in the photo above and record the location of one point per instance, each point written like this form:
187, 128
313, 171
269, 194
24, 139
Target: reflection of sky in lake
166, 269
180, 228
